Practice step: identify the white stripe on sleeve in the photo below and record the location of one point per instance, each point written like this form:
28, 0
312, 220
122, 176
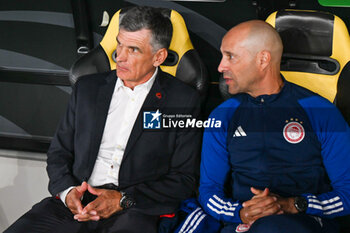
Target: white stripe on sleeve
220, 212
221, 206
224, 202
334, 211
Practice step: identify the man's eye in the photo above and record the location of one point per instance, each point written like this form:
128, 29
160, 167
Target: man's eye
133, 50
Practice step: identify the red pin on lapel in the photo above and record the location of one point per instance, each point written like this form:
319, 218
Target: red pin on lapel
159, 95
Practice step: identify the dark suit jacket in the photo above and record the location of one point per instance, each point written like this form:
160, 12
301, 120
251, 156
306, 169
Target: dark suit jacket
159, 168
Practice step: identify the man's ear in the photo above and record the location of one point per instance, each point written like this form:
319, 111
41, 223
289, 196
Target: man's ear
160, 56
264, 59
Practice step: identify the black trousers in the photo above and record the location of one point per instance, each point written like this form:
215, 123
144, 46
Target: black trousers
52, 216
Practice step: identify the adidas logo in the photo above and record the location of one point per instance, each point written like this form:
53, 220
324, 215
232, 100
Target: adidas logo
239, 132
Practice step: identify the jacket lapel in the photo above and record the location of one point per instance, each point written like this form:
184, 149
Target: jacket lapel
103, 100
154, 100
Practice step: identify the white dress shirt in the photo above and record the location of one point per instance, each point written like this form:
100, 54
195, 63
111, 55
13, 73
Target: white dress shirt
123, 110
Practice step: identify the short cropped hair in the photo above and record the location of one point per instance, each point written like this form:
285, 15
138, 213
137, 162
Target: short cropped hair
153, 19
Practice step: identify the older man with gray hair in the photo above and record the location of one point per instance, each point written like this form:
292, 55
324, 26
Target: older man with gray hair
109, 174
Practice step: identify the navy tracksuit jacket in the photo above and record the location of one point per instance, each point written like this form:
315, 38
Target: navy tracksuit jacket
294, 142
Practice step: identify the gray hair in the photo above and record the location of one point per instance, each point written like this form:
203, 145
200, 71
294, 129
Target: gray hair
153, 19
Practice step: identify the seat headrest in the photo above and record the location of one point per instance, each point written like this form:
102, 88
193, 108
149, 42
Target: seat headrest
305, 32
307, 41
316, 48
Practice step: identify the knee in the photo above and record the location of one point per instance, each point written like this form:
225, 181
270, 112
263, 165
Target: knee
266, 225
281, 224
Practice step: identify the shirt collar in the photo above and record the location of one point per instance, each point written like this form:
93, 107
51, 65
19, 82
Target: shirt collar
146, 85
272, 97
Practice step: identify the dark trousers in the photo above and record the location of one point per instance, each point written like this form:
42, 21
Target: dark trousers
52, 216
288, 223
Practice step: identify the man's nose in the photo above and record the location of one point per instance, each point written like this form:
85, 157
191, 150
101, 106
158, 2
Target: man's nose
121, 55
221, 67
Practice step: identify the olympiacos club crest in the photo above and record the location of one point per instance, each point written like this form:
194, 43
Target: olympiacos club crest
293, 132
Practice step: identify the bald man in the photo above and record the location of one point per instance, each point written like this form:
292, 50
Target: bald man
280, 161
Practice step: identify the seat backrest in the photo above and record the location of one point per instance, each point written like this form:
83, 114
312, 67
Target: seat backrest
183, 61
316, 53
